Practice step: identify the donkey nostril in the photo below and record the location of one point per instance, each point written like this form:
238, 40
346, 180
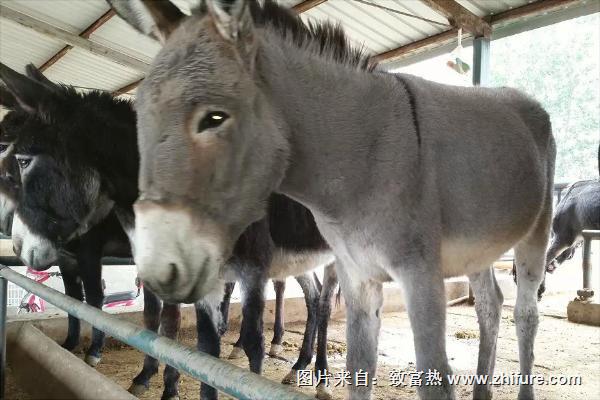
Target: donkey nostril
173, 274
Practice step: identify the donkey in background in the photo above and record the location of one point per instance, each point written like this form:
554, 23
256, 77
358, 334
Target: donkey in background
53, 147
79, 260
405, 177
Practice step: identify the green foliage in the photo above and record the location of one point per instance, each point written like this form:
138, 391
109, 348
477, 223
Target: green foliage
559, 65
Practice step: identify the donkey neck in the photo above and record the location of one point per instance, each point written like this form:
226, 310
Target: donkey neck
345, 127
114, 152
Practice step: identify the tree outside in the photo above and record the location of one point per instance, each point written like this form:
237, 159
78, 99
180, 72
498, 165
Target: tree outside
559, 65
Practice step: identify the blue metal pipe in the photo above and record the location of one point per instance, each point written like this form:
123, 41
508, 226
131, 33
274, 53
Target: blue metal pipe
14, 261
234, 381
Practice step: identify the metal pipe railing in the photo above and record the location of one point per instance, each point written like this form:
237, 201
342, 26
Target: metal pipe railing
228, 378
14, 261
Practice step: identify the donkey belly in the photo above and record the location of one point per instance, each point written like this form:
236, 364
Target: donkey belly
464, 257
293, 263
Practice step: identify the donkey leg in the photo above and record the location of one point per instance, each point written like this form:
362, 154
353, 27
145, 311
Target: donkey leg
279, 326
363, 306
488, 305
209, 339
238, 351
170, 322
311, 297
530, 256
224, 308
424, 294
94, 296
152, 310
73, 289
324, 312
253, 305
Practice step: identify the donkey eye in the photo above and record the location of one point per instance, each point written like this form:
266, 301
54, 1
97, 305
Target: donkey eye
23, 162
211, 120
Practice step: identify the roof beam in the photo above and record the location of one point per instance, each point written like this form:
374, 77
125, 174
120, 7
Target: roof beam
307, 5
85, 34
528, 10
298, 8
73, 40
127, 88
500, 19
460, 17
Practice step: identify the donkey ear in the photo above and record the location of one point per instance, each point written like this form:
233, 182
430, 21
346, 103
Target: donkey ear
7, 99
155, 18
233, 20
37, 75
28, 93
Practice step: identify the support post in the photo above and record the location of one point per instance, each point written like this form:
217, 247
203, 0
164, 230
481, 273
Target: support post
3, 307
587, 262
481, 61
587, 292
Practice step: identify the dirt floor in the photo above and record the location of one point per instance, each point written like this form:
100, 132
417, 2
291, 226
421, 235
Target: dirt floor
562, 348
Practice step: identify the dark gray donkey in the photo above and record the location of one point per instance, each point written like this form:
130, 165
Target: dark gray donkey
408, 179
579, 209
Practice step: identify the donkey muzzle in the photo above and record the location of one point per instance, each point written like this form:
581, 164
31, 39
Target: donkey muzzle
177, 255
34, 250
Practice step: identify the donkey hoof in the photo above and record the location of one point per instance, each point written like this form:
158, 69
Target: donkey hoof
275, 350
69, 346
324, 393
290, 378
175, 397
236, 353
137, 390
92, 361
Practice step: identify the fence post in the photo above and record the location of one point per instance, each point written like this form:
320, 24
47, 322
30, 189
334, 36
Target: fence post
3, 307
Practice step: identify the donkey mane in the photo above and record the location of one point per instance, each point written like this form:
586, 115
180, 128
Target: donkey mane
321, 38
103, 103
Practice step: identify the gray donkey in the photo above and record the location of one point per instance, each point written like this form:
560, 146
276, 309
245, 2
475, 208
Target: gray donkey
408, 180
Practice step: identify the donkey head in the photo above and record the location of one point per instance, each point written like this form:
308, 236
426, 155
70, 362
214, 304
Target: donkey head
210, 148
9, 171
56, 194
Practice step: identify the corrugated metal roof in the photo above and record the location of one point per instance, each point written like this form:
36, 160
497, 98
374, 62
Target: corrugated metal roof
117, 34
20, 46
84, 69
71, 15
377, 29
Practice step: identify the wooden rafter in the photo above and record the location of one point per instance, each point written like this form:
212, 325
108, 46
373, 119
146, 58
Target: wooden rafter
299, 8
127, 88
307, 5
460, 17
87, 32
529, 10
503, 18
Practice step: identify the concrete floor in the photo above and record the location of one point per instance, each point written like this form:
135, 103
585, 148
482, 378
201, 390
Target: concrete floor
562, 348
